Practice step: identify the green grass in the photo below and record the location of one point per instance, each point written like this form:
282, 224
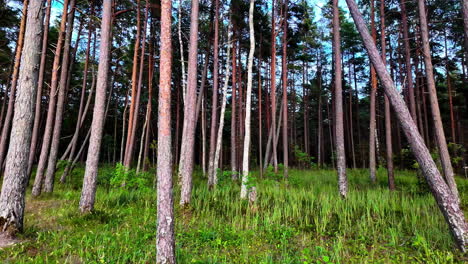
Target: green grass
299, 221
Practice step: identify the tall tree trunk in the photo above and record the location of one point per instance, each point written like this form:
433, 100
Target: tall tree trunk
81, 115
319, 119
188, 132
444, 198
373, 93
133, 107
219, 137
233, 113
409, 74
388, 121
214, 98
88, 192
273, 84
131, 144
438, 126
449, 91
14, 81
285, 88
465, 27
339, 132
165, 238
248, 103
49, 126
54, 147
260, 121
40, 85
150, 98
12, 197
181, 49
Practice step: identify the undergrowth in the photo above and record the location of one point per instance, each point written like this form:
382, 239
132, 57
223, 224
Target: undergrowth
301, 220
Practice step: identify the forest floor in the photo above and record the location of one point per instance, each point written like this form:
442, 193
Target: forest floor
302, 221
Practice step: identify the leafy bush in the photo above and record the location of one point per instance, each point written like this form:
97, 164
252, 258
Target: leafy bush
128, 178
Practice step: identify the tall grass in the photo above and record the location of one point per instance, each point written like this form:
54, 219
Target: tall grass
302, 220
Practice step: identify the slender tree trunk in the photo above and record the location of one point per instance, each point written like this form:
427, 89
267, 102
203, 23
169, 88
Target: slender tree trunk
465, 27
438, 126
388, 124
165, 239
133, 106
40, 85
444, 198
131, 144
52, 163
273, 84
181, 49
219, 137
409, 74
214, 98
340, 149
285, 88
260, 121
319, 119
233, 114
14, 80
449, 91
150, 98
12, 197
373, 92
248, 103
38, 181
73, 143
188, 132
88, 192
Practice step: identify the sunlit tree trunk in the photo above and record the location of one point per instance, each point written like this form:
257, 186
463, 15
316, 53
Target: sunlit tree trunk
54, 147
12, 197
165, 238
88, 192
233, 113
135, 65
442, 194
49, 126
248, 103
188, 132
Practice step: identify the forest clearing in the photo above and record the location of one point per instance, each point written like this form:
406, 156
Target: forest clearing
241, 131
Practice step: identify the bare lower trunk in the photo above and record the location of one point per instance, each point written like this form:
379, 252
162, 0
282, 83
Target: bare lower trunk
38, 181
14, 81
285, 89
248, 103
442, 194
188, 133
273, 84
12, 197
339, 132
214, 98
438, 126
219, 138
373, 92
88, 192
165, 241
50, 176
233, 114
388, 121
40, 84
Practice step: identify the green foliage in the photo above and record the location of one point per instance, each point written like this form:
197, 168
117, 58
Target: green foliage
124, 177
305, 161
303, 221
